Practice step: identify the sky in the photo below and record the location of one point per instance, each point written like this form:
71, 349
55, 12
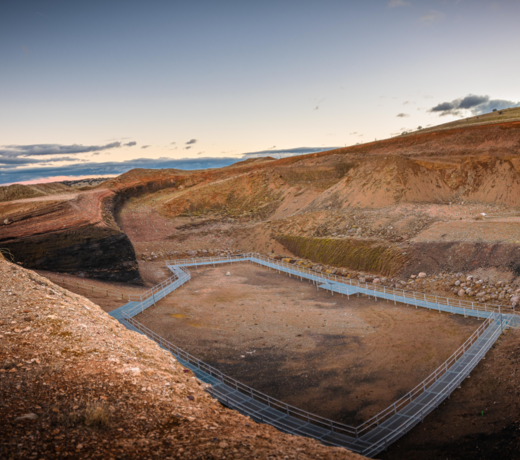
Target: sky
100, 87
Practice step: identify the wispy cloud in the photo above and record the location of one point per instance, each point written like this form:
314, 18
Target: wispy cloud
52, 149
130, 144
191, 141
397, 3
402, 115
145, 146
432, 16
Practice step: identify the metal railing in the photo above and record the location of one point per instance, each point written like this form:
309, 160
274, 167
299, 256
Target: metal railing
357, 435
158, 292
336, 427
428, 381
397, 295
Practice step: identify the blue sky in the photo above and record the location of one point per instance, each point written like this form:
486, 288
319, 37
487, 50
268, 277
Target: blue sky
158, 82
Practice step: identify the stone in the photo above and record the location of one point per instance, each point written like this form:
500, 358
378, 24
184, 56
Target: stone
461, 293
421, 275
29, 416
457, 283
376, 281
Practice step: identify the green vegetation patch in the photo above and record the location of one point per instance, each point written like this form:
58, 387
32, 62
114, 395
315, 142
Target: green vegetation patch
354, 254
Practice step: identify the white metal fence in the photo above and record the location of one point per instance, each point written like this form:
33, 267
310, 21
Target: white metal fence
396, 295
458, 365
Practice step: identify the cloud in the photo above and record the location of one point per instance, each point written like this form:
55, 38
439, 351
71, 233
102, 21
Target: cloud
397, 3
112, 168
290, 152
172, 143
476, 105
355, 132
402, 115
191, 141
471, 101
187, 148
130, 144
95, 153
145, 146
22, 161
432, 16
52, 149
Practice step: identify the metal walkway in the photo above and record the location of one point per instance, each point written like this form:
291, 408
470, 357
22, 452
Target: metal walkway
380, 431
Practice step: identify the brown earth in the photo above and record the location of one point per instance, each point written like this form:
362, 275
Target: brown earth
399, 192
438, 200
74, 383
344, 359
69, 233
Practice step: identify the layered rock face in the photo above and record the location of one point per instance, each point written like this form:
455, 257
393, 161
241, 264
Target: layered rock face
72, 233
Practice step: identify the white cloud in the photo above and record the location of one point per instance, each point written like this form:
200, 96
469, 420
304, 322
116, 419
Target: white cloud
432, 16
397, 3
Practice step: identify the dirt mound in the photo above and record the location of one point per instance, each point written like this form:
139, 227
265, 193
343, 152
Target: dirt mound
21, 191
378, 183
475, 167
249, 194
75, 383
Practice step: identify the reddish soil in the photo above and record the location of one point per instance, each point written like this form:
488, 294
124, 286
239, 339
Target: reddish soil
108, 296
74, 383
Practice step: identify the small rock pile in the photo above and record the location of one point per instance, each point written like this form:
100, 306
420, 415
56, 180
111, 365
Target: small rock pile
443, 284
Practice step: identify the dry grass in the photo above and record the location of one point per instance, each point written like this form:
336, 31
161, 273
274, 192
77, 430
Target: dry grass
97, 416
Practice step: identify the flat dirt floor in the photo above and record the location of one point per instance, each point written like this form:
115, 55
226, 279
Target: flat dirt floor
340, 358
108, 295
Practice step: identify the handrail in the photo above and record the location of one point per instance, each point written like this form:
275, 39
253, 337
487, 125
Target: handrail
375, 420
409, 295
182, 274
335, 427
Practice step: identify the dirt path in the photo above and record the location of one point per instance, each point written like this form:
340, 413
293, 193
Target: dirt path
343, 359
108, 295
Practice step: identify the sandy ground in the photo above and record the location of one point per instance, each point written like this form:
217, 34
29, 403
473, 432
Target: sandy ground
343, 359
497, 231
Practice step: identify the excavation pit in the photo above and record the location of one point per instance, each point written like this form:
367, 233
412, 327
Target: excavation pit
344, 359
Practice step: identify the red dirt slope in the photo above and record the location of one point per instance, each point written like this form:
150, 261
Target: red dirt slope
74, 383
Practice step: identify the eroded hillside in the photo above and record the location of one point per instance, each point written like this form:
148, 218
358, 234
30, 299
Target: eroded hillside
74, 383
436, 200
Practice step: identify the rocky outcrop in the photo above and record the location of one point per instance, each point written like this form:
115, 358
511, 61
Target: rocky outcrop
70, 234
